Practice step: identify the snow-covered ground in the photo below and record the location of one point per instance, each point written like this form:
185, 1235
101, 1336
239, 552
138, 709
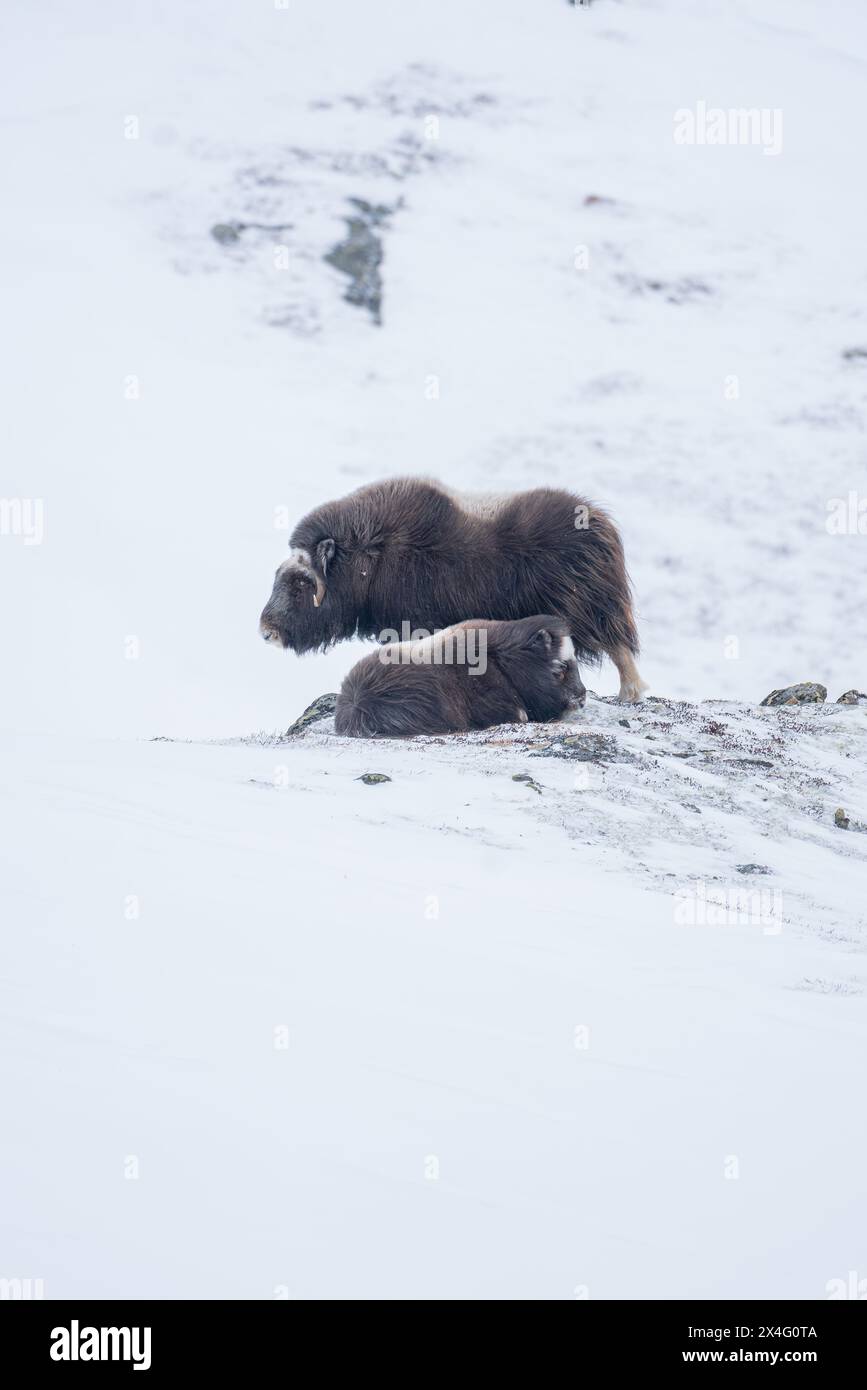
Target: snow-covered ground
266, 1027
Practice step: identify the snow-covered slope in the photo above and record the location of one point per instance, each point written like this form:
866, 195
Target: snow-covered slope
268, 1027
568, 296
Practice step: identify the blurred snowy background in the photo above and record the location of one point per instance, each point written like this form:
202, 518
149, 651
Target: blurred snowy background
171, 396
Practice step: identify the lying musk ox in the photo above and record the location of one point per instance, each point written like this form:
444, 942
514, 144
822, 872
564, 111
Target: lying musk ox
469, 676
410, 552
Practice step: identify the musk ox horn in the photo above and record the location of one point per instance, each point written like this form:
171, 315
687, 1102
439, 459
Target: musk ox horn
324, 553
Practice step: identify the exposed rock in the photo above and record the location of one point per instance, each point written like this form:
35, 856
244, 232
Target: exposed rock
527, 780
805, 693
372, 779
841, 820
360, 255
855, 354
320, 709
853, 697
229, 233
584, 748
753, 869
747, 762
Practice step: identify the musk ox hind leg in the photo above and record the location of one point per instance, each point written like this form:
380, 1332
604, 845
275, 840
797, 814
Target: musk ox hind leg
600, 605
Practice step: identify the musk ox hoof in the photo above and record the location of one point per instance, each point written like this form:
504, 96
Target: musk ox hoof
632, 692
805, 693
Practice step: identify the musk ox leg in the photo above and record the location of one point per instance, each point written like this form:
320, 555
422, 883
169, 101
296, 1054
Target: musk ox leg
632, 687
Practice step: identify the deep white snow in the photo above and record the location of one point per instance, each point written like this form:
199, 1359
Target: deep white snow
266, 1030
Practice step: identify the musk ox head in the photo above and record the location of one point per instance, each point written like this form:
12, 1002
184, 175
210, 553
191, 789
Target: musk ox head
300, 612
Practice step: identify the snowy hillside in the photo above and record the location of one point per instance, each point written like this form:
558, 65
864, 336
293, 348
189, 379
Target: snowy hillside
267, 1027
598, 1033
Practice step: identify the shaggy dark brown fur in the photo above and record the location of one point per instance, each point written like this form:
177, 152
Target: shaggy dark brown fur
408, 551
523, 671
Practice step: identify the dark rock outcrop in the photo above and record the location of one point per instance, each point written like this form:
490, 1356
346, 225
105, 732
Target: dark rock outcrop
360, 255
804, 693
320, 709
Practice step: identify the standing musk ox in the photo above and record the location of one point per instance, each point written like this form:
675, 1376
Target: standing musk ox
409, 551
469, 676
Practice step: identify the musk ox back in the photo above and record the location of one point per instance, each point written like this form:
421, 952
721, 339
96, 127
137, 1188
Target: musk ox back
469, 676
407, 553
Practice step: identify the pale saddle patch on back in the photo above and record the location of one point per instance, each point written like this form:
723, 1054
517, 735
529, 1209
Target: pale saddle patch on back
482, 505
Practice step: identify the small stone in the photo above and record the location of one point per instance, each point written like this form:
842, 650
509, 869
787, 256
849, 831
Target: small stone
227, 233
624, 723
320, 709
527, 780
753, 869
841, 820
853, 697
372, 779
805, 693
